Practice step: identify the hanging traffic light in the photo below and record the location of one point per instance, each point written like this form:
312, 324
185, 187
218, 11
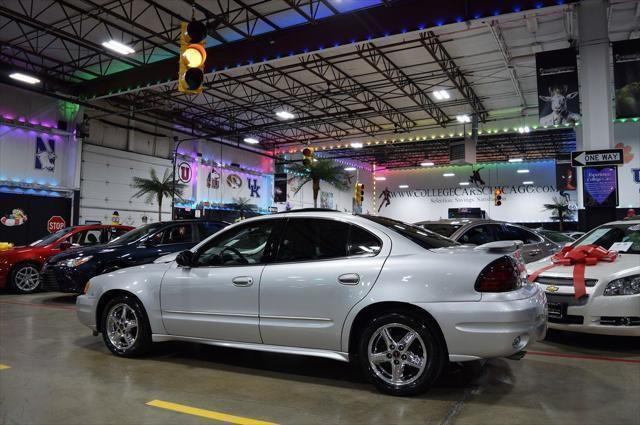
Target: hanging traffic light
193, 56
307, 153
359, 194
497, 200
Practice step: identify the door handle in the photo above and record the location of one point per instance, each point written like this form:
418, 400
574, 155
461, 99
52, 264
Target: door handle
349, 279
242, 281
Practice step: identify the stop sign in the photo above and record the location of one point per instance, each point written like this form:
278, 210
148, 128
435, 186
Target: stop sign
55, 223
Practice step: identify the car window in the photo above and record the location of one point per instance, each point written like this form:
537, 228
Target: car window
557, 237
478, 235
362, 242
423, 237
606, 236
137, 234
86, 237
178, 233
506, 232
115, 232
443, 229
244, 244
207, 229
306, 239
51, 238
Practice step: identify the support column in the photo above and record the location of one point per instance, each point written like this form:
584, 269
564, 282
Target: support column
596, 127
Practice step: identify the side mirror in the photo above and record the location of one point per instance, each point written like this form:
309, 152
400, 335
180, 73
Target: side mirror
185, 259
65, 245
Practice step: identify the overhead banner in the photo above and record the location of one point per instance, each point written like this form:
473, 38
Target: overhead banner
558, 100
626, 72
600, 186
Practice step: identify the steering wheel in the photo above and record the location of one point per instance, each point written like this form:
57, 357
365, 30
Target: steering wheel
242, 258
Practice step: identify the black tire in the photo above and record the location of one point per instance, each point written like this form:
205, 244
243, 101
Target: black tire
142, 341
422, 379
17, 275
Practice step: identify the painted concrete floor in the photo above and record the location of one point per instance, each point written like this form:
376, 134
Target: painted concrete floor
59, 374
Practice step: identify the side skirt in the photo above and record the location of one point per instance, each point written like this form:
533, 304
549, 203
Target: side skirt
327, 354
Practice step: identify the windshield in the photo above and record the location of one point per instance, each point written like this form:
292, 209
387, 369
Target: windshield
136, 234
556, 236
423, 237
626, 238
52, 237
443, 229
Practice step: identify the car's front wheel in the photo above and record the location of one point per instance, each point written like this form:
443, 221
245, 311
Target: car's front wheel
125, 328
25, 278
400, 354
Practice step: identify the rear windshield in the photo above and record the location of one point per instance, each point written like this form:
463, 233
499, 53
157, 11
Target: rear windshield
136, 234
443, 229
423, 237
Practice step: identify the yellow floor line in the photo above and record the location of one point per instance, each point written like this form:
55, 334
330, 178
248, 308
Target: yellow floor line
209, 414
4, 366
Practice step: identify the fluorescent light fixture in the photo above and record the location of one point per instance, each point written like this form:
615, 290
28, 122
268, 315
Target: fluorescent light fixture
426, 164
463, 118
285, 115
523, 171
356, 145
24, 78
515, 159
527, 182
448, 174
404, 186
380, 178
464, 183
350, 169
441, 94
118, 47
251, 140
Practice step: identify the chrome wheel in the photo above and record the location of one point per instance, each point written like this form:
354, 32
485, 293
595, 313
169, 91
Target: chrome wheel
27, 278
397, 354
122, 327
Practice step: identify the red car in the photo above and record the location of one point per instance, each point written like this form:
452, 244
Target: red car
20, 266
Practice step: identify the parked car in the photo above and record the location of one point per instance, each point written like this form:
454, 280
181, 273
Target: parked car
389, 295
70, 271
575, 235
480, 231
557, 237
20, 266
612, 303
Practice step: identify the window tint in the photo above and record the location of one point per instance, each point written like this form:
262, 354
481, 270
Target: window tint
605, 236
207, 229
179, 233
513, 233
87, 237
477, 235
114, 232
313, 239
362, 242
425, 238
441, 228
244, 244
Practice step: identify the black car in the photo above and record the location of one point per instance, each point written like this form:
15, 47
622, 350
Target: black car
70, 271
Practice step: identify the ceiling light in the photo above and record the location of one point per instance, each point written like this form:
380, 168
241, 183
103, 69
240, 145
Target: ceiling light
464, 183
515, 159
463, 118
251, 140
350, 169
118, 47
404, 186
527, 182
523, 171
524, 129
380, 178
448, 174
285, 115
441, 94
356, 145
24, 78
426, 164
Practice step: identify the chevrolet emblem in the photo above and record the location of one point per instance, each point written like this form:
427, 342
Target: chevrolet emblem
552, 289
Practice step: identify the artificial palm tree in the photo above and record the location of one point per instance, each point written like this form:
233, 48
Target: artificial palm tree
242, 204
560, 209
320, 170
156, 188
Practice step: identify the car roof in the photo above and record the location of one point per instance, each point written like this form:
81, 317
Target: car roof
100, 226
634, 221
453, 221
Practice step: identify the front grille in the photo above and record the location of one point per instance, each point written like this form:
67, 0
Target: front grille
49, 281
570, 319
564, 281
568, 299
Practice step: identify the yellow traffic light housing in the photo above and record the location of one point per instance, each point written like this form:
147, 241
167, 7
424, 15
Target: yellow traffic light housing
193, 56
307, 154
359, 193
497, 200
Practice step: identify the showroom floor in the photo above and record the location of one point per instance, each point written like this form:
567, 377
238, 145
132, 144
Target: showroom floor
49, 360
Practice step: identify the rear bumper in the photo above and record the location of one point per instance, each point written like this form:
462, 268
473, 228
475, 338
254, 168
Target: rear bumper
488, 329
86, 311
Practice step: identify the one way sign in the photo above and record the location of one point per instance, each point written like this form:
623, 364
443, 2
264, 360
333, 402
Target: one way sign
601, 157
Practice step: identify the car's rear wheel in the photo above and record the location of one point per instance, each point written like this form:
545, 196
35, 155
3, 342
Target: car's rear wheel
400, 354
25, 278
125, 328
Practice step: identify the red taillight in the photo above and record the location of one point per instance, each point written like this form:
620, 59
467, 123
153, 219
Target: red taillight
501, 275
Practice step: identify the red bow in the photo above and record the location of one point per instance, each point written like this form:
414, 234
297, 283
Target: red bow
580, 257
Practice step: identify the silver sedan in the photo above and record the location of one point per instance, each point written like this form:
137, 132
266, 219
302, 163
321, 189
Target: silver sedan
396, 299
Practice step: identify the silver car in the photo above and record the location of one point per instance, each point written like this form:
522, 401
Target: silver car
385, 294
480, 231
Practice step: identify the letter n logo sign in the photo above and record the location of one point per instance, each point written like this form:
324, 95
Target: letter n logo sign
253, 187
